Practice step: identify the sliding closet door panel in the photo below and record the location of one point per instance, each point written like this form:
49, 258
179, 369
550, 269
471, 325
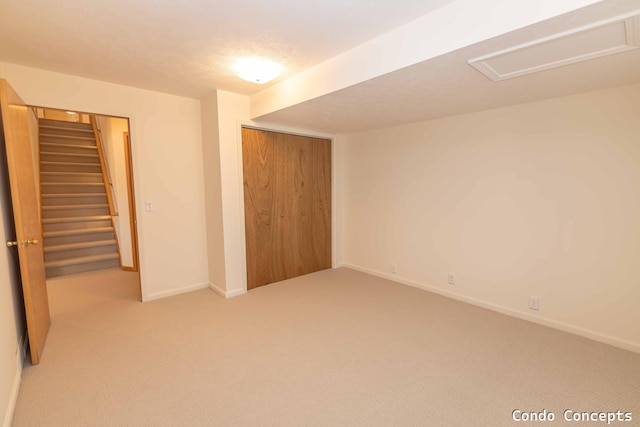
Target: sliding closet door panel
287, 192
258, 158
322, 203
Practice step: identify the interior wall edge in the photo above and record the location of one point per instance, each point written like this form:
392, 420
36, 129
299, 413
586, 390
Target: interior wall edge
173, 292
226, 294
218, 290
539, 319
337, 200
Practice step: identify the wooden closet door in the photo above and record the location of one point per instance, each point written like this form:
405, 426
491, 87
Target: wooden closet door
287, 198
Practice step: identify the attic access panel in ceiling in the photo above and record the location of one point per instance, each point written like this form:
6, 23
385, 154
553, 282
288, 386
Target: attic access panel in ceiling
596, 40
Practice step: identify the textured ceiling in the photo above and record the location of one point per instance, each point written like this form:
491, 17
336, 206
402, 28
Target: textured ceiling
448, 85
188, 47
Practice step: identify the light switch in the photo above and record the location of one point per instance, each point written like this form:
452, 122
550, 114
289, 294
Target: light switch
148, 206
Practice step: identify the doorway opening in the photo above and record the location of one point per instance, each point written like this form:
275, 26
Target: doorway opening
87, 202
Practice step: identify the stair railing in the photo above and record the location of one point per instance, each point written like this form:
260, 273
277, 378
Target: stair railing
106, 175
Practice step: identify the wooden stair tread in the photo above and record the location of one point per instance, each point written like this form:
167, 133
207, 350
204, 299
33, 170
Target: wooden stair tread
89, 206
47, 163
57, 153
65, 128
53, 195
75, 219
60, 144
80, 245
58, 173
62, 136
77, 231
45, 128
59, 124
81, 260
67, 178
74, 184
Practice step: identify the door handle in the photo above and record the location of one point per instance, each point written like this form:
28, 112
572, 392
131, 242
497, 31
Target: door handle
22, 243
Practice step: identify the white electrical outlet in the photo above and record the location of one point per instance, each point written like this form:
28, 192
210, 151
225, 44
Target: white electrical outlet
394, 268
534, 303
451, 279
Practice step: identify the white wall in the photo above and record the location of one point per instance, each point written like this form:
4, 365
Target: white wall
10, 356
539, 199
232, 110
167, 161
213, 193
112, 130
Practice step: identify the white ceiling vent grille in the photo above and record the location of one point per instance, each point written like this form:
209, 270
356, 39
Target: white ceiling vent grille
589, 42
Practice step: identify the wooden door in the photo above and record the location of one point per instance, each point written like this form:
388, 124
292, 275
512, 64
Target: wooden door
287, 202
132, 204
24, 198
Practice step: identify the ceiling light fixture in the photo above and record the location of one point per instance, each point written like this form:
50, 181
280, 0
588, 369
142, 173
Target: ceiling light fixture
257, 70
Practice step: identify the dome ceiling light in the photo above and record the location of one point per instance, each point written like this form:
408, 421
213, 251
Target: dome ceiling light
257, 70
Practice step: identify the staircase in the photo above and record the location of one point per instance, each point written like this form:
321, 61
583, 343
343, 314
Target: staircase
77, 226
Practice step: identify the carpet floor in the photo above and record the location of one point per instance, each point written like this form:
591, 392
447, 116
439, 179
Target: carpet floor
333, 348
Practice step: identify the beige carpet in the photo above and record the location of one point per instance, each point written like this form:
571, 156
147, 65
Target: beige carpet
334, 348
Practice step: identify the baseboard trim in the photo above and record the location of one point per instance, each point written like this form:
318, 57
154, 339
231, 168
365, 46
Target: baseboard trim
225, 294
172, 292
565, 327
13, 397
